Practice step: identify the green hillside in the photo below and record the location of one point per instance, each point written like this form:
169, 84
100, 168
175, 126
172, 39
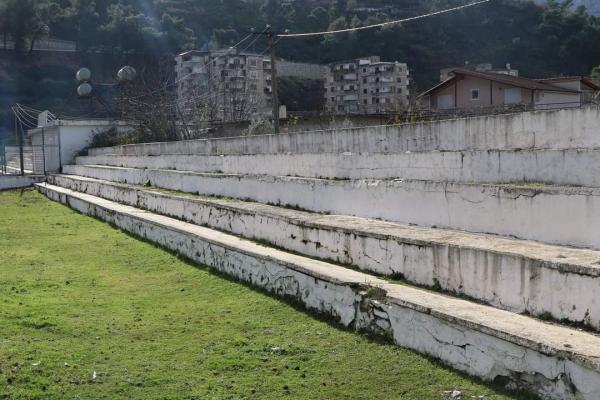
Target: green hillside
539, 40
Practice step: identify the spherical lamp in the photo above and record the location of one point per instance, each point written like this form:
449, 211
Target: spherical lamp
83, 75
84, 90
126, 74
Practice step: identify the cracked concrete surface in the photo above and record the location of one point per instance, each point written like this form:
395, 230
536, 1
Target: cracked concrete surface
554, 166
520, 212
519, 276
554, 361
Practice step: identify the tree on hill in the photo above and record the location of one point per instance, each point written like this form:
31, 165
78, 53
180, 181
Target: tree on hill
27, 21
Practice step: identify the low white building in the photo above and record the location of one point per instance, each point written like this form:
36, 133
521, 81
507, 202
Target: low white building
57, 143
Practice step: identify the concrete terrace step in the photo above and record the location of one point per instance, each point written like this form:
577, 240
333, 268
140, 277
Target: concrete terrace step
535, 213
553, 361
561, 167
555, 129
520, 276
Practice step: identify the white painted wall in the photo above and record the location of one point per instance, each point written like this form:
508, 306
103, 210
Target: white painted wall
63, 140
556, 129
561, 167
8, 182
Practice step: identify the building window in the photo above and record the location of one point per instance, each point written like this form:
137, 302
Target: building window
365, 91
474, 94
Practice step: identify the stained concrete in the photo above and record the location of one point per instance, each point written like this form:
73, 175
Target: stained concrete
559, 167
536, 213
553, 361
555, 129
8, 182
519, 276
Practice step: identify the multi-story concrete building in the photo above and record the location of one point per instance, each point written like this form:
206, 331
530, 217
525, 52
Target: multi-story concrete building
366, 86
224, 85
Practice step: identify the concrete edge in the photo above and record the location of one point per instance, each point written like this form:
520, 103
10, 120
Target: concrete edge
11, 182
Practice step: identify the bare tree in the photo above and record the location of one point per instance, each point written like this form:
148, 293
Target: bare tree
150, 104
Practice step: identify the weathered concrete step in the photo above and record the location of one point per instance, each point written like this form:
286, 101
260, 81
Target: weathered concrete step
557, 215
563, 167
497, 346
520, 276
556, 129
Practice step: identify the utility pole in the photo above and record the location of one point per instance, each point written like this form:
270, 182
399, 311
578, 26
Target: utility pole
268, 32
270, 36
19, 133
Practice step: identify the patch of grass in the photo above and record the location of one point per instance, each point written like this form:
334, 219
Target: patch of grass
89, 312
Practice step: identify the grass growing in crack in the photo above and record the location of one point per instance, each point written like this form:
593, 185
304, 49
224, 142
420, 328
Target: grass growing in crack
376, 293
90, 312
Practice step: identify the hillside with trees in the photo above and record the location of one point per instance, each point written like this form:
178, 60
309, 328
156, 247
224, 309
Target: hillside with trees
540, 40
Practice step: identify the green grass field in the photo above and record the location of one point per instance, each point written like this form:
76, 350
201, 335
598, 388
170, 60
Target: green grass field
88, 312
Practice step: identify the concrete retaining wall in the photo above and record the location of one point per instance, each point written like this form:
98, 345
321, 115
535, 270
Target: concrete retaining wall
554, 362
529, 213
301, 70
519, 276
561, 167
8, 182
557, 129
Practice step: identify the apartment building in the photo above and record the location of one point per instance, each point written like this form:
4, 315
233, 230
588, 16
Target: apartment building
224, 85
366, 86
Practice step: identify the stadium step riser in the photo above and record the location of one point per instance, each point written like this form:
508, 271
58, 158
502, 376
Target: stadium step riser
527, 213
552, 361
516, 278
553, 166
